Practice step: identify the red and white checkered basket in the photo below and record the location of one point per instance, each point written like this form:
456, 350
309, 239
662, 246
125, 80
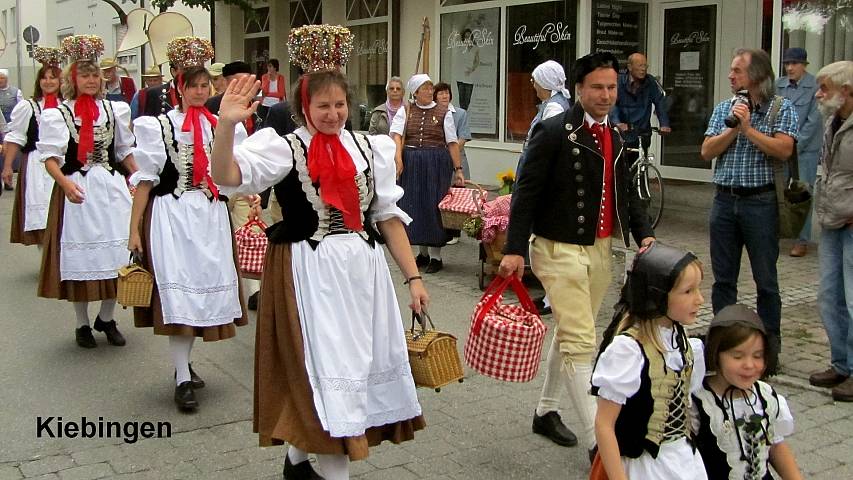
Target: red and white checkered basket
460, 204
251, 248
505, 341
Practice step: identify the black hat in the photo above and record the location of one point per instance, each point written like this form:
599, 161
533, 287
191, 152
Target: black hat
652, 276
738, 314
589, 63
795, 55
234, 68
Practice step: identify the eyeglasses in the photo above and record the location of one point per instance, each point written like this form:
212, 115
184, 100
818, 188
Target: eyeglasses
395, 89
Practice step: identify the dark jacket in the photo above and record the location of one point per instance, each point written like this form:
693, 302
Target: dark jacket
159, 100
635, 109
281, 119
558, 194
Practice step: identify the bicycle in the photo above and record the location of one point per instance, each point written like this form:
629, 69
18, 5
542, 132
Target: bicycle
646, 178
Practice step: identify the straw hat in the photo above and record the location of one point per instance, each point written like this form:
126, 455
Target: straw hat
152, 72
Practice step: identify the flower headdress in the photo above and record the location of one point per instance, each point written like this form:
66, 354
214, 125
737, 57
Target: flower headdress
48, 56
320, 47
189, 51
82, 47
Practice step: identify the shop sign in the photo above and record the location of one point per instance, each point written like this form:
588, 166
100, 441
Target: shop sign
478, 37
378, 47
550, 32
618, 28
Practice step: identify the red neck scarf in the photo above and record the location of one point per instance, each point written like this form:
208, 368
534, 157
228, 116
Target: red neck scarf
192, 123
87, 111
50, 100
331, 166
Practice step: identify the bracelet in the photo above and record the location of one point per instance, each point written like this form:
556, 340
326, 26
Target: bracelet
410, 279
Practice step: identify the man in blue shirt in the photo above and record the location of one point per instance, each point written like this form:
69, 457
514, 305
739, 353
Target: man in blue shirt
744, 213
633, 111
799, 86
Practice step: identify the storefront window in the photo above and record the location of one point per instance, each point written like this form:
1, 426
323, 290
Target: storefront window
535, 33
359, 9
450, 3
367, 70
823, 27
469, 64
618, 28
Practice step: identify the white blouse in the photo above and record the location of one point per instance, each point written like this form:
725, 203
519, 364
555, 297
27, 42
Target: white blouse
265, 159
17, 128
54, 135
398, 124
783, 424
150, 153
617, 373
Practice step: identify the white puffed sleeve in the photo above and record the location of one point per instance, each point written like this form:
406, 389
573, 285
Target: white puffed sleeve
449, 128
785, 422
387, 193
16, 130
698, 364
150, 152
124, 139
398, 123
264, 160
53, 136
617, 372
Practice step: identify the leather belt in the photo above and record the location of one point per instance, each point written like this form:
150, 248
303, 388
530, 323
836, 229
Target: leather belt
746, 191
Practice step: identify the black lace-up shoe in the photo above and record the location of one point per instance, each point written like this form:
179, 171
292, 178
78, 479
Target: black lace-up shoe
434, 266
194, 378
114, 337
300, 471
421, 260
252, 303
551, 426
84, 337
185, 397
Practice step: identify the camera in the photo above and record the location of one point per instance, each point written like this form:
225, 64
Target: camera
740, 98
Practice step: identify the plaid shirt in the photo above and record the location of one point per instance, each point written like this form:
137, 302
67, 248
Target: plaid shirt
743, 164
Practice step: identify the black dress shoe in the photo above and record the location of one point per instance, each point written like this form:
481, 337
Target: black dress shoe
551, 426
194, 378
300, 471
114, 337
434, 266
539, 303
185, 397
421, 260
84, 337
253, 300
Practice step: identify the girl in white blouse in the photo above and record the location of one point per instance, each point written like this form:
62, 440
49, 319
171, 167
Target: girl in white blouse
643, 378
741, 422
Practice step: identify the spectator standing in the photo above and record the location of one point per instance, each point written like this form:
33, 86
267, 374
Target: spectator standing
216, 78
744, 213
162, 98
834, 212
799, 86
638, 91
9, 95
117, 88
442, 95
380, 118
573, 192
151, 78
272, 88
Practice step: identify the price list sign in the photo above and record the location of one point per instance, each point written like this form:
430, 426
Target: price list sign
618, 28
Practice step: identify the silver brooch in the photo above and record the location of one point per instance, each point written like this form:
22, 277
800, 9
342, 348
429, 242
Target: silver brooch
573, 137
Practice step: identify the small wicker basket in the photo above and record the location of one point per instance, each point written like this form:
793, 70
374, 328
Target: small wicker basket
135, 285
494, 249
451, 220
433, 356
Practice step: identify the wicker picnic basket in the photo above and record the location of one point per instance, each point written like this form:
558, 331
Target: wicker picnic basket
460, 204
432, 355
494, 249
134, 286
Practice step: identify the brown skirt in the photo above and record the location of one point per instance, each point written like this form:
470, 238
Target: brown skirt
153, 315
17, 233
284, 405
51, 284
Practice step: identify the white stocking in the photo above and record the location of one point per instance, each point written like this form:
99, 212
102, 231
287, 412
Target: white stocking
578, 377
334, 467
108, 308
296, 455
180, 347
435, 253
81, 309
423, 250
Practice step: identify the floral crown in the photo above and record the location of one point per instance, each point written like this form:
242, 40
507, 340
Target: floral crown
82, 47
320, 47
48, 56
189, 51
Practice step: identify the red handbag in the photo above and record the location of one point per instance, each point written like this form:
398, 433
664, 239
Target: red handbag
251, 247
505, 341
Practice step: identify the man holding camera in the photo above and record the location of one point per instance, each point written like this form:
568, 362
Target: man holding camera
745, 135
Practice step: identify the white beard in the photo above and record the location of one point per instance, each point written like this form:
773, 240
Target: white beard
829, 106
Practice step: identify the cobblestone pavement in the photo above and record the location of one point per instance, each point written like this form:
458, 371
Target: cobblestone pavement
479, 429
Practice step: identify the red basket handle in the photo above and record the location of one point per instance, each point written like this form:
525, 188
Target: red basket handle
255, 222
495, 289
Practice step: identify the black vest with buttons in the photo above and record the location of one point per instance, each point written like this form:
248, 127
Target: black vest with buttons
32, 128
71, 163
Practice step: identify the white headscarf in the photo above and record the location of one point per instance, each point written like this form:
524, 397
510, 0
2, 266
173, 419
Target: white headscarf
551, 76
416, 81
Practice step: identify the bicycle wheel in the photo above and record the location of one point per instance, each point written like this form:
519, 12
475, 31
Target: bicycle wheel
655, 189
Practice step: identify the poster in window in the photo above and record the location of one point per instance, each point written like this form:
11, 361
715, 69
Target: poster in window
469, 64
688, 77
618, 28
535, 33
367, 71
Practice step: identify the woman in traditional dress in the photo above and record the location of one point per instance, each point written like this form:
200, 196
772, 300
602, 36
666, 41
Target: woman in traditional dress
29, 212
427, 163
180, 224
380, 118
332, 375
83, 143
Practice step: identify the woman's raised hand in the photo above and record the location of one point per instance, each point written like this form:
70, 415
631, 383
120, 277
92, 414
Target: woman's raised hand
238, 102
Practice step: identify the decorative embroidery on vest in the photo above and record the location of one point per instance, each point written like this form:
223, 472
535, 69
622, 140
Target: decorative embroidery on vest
104, 136
181, 156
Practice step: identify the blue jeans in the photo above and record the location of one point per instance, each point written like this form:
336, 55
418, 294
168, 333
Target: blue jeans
808, 172
836, 295
751, 222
